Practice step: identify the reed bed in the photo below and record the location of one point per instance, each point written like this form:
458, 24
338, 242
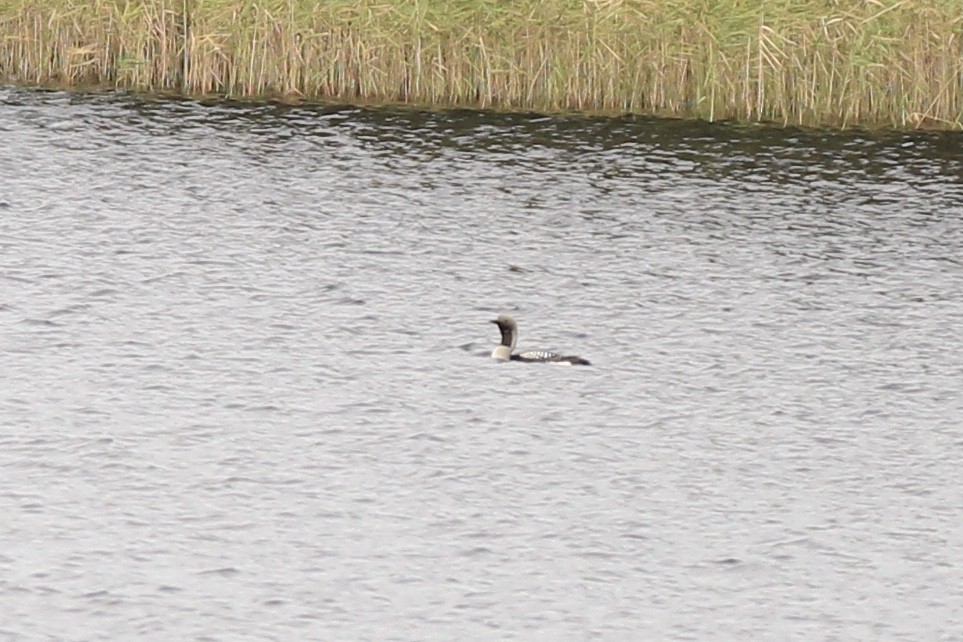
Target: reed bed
809, 62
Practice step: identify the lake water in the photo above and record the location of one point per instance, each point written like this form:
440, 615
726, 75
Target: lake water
246, 391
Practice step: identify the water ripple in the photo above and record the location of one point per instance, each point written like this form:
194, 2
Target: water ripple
246, 385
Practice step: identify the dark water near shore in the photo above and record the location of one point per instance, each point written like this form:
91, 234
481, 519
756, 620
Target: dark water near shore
245, 389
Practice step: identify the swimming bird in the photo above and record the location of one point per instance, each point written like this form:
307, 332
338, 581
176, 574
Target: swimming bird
506, 350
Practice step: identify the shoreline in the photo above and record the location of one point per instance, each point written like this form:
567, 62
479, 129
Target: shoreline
835, 64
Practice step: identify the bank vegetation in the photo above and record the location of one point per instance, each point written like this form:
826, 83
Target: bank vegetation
893, 63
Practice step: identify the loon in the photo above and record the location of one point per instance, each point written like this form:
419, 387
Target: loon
506, 350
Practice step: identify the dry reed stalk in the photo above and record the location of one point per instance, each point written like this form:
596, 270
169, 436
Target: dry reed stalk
868, 62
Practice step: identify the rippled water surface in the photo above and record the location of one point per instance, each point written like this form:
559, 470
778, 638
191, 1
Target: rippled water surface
246, 391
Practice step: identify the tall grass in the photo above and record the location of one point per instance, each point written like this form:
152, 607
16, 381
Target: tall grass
812, 62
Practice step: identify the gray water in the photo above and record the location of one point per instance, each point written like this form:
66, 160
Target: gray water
246, 391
